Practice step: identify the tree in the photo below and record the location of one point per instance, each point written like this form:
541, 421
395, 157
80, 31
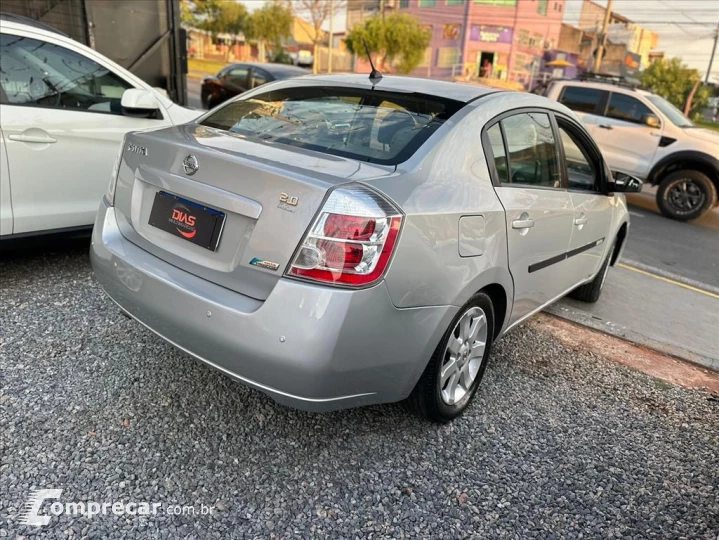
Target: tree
399, 39
215, 17
187, 14
270, 24
318, 11
674, 81
231, 19
200, 14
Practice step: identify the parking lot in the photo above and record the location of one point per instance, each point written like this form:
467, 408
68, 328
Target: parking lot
559, 442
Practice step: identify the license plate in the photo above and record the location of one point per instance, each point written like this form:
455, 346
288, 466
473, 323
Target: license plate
189, 220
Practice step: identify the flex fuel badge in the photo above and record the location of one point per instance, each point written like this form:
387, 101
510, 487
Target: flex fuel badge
264, 264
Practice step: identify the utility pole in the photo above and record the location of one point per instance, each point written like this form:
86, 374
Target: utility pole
332, 28
381, 9
603, 38
711, 58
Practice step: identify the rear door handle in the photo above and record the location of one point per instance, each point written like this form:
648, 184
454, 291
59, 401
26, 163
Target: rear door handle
523, 223
580, 221
605, 126
43, 139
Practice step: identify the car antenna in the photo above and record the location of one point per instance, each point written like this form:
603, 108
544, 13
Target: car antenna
374, 76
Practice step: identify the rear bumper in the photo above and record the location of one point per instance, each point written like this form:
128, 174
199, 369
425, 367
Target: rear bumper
309, 347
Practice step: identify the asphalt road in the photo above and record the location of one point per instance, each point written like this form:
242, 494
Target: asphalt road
690, 250
558, 444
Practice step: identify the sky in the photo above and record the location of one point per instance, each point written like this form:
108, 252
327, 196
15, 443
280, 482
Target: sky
686, 27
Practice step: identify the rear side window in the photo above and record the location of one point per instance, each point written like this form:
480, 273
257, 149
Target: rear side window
500, 156
581, 99
238, 75
259, 78
367, 125
533, 158
627, 108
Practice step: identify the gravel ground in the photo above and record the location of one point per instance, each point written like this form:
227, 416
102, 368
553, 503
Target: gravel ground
558, 444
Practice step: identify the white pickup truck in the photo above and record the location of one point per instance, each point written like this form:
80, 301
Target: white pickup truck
643, 135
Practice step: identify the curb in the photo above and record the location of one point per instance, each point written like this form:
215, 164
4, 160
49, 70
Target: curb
617, 331
636, 357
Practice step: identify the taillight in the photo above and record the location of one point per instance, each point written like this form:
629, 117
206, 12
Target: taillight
351, 240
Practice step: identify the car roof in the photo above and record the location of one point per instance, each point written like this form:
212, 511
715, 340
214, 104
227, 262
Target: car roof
451, 90
273, 67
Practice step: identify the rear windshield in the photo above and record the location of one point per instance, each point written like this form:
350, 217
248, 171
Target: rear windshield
367, 125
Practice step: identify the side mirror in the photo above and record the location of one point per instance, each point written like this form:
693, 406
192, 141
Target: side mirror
140, 103
623, 183
651, 120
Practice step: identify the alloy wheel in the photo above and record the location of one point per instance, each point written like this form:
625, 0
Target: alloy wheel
463, 356
686, 195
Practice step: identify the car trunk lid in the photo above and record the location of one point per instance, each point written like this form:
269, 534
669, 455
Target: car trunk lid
268, 194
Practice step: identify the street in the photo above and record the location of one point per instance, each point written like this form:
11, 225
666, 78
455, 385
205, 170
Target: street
688, 250
559, 442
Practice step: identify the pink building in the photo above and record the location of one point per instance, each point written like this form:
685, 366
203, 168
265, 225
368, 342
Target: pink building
504, 39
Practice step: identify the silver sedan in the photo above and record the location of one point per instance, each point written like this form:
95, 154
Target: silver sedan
338, 241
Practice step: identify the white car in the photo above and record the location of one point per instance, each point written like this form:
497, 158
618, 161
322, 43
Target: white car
641, 134
64, 111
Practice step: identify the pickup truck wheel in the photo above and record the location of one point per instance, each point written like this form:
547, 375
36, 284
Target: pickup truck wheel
590, 292
451, 378
686, 194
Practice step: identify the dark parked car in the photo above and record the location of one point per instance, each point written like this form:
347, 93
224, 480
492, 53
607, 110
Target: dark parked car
237, 78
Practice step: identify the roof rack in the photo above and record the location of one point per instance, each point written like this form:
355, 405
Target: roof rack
607, 78
12, 17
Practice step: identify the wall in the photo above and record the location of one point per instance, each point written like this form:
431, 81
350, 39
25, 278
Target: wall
517, 32
570, 39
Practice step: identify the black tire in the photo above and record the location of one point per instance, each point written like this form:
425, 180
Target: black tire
426, 398
590, 292
685, 195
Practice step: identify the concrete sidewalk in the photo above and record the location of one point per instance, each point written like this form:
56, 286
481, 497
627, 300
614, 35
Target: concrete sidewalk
661, 315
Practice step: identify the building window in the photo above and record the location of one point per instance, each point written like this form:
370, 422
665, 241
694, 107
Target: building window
523, 37
447, 57
455, 2
403, 4
542, 7
427, 3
